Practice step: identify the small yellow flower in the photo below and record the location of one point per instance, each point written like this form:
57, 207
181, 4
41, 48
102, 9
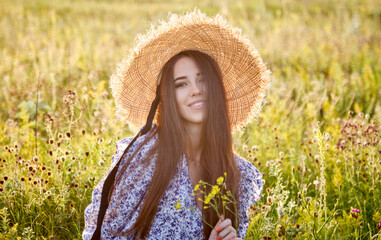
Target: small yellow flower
196, 187
178, 206
220, 180
215, 190
207, 200
225, 174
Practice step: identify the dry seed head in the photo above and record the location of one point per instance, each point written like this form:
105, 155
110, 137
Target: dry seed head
270, 200
68, 134
60, 135
69, 98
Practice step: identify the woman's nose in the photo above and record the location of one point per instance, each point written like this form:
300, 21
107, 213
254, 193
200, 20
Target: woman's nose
196, 88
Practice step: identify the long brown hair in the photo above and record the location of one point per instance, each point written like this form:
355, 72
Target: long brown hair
216, 156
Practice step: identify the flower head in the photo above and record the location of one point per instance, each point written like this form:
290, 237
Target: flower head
207, 199
178, 205
220, 180
355, 213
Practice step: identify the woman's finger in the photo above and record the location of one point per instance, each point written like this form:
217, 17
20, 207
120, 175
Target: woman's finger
228, 237
225, 223
228, 233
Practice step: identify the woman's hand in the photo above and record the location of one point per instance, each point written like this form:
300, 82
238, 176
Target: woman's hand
224, 231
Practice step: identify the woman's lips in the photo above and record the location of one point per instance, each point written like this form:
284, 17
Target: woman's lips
197, 105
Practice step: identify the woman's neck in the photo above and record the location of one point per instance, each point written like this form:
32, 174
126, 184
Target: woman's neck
194, 150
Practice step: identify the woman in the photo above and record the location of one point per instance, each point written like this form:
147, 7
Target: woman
210, 81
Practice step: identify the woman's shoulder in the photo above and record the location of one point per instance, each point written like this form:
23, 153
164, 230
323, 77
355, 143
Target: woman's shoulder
122, 144
247, 169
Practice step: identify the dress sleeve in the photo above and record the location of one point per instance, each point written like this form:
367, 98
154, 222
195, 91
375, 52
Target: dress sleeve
91, 211
251, 190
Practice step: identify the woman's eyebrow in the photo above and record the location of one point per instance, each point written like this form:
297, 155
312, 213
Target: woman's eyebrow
180, 78
184, 77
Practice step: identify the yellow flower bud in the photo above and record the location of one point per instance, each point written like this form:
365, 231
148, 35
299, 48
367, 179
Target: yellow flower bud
220, 180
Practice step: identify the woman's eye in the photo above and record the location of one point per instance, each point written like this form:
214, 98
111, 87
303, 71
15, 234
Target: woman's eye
177, 85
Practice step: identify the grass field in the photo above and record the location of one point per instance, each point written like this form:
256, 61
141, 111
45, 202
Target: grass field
317, 140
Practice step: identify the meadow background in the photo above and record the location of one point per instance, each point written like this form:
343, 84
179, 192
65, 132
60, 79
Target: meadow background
317, 140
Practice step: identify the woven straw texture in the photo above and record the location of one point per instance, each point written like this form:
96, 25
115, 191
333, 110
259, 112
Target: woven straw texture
245, 76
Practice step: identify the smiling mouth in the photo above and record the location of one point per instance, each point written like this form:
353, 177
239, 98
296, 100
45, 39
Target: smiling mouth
197, 105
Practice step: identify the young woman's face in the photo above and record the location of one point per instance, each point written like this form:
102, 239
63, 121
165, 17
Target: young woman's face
189, 91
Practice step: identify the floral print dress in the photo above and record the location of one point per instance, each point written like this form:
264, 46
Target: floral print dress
169, 222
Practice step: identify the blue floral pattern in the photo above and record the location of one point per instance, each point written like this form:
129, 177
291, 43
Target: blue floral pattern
169, 223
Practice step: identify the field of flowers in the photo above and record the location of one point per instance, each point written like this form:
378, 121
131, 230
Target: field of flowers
317, 140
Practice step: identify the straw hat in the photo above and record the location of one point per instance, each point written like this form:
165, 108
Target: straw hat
245, 76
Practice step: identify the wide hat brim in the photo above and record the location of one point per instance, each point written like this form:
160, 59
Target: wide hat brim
245, 77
